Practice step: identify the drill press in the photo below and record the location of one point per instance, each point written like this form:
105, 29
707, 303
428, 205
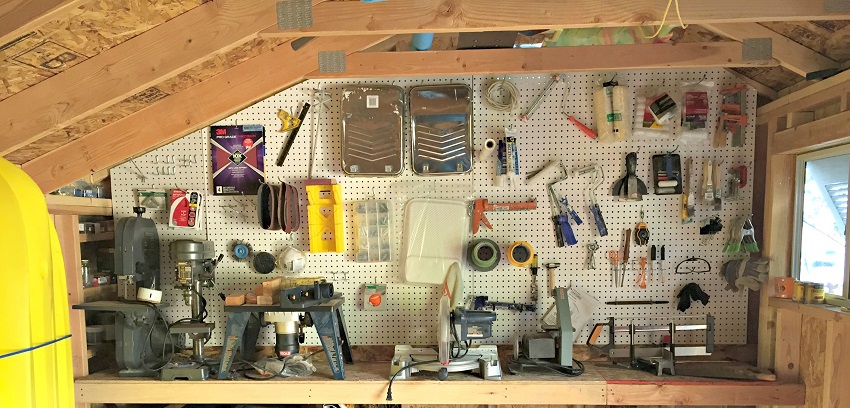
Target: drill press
195, 270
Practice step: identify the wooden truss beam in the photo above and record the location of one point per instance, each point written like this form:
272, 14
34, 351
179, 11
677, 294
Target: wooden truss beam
130, 67
19, 17
415, 16
791, 55
184, 112
543, 60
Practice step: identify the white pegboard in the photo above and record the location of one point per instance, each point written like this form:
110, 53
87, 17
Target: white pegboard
410, 318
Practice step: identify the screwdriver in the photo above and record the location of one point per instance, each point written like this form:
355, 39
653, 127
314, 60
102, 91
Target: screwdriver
625, 256
563, 229
653, 265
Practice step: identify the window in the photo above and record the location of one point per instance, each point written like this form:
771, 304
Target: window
820, 247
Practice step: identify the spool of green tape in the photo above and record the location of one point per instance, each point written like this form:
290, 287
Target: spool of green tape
483, 254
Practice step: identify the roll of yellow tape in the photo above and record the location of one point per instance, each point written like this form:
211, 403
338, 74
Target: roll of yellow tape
520, 254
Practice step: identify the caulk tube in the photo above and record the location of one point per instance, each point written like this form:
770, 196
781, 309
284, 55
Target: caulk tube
501, 179
512, 154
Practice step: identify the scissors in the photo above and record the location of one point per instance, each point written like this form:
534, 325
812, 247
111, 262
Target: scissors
615, 257
641, 279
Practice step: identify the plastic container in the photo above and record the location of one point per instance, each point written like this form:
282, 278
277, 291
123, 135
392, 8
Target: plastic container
373, 231
84, 267
324, 217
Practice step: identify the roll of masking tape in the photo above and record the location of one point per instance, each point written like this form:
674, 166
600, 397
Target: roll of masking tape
487, 150
553, 169
149, 295
520, 254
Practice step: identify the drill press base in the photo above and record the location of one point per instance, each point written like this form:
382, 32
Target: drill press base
482, 360
185, 371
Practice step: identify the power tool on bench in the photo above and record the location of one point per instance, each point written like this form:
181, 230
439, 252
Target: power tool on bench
654, 359
553, 347
457, 327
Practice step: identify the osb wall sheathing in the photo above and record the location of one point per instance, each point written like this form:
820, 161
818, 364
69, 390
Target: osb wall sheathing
195, 75
830, 38
84, 33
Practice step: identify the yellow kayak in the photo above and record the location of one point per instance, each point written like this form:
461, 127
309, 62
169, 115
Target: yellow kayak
35, 348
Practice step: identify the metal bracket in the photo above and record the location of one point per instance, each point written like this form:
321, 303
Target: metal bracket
836, 6
331, 61
294, 14
756, 49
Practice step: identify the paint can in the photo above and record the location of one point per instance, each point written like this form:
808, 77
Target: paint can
784, 287
814, 294
799, 291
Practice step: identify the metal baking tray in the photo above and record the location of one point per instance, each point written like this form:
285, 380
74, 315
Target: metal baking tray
441, 123
372, 130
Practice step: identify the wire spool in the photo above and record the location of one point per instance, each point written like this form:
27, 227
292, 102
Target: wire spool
263, 262
520, 254
503, 103
483, 254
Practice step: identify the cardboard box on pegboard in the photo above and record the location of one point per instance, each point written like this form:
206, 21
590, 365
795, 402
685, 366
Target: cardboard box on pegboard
237, 159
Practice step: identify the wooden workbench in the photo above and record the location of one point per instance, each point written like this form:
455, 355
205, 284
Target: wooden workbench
366, 383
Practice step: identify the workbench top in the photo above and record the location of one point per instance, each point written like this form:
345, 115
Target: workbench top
366, 383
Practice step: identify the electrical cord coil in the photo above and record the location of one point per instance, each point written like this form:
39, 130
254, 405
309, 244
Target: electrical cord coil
502, 87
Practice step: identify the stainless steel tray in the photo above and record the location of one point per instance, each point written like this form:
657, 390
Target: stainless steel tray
441, 123
372, 129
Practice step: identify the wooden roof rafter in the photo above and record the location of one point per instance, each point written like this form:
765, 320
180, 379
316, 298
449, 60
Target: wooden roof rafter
184, 112
129, 68
19, 17
440, 16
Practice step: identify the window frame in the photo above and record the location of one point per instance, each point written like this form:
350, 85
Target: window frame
799, 191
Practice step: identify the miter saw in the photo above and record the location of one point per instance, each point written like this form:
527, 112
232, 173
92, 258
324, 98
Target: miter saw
457, 327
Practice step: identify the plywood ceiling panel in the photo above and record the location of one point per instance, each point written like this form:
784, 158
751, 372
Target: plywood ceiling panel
86, 32
830, 38
141, 100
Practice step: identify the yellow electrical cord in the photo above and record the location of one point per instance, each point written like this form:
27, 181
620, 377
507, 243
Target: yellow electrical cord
664, 20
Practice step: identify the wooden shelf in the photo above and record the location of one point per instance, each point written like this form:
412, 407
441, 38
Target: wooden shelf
366, 383
99, 236
826, 312
69, 205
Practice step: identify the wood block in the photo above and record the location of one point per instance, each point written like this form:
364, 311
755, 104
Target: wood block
250, 299
264, 300
234, 300
272, 287
258, 290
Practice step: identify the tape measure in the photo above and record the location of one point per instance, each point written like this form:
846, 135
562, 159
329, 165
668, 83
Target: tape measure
520, 254
641, 234
483, 254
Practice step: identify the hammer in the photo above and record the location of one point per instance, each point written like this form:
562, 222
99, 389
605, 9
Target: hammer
482, 205
551, 266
